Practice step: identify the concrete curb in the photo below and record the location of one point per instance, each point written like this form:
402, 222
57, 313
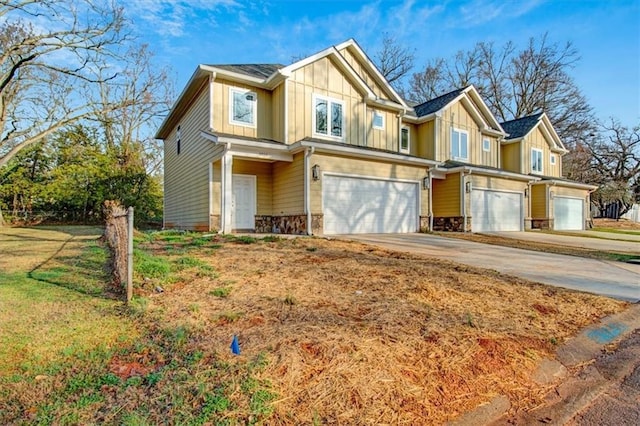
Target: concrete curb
574, 393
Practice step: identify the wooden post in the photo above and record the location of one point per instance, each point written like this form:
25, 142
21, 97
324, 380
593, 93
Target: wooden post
129, 254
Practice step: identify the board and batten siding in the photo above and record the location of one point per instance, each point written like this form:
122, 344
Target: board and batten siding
536, 139
538, 201
323, 78
186, 175
221, 116
385, 139
288, 186
264, 182
425, 140
446, 196
356, 167
277, 113
511, 157
457, 116
358, 67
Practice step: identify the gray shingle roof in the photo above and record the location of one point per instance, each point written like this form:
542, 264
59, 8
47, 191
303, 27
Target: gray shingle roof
436, 104
521, 126
254, 70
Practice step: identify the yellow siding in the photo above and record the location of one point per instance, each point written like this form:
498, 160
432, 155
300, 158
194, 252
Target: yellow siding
489, 158
497, 183
511, 157
358, 167
425, 141
277, 113
323, 78
186, 176
386, 139
539, 201
364, 74
264, 182
216, 192
457, 116
221, 116
288, 186
446, 196
537, 140
414, 143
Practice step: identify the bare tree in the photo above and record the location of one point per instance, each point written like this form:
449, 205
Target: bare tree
50, 51
394, 61
615, 166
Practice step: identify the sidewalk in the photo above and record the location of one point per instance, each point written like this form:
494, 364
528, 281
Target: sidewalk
602, 388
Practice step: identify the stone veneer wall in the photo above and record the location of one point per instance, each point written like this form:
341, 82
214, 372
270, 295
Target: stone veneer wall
541, 223
451, 224
289, 224
424, 224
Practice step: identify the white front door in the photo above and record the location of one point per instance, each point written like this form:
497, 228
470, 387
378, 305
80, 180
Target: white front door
243, 203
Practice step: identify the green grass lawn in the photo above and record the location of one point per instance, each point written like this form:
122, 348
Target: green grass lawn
70, 353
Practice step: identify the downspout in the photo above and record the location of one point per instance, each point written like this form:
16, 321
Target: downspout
529, 196
223, 199
430, 177
465, 173
307, 188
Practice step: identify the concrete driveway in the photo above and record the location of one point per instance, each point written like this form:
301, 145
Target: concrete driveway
613, 279
618, 243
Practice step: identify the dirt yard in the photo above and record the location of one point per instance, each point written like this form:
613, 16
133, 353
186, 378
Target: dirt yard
623, 224
358, 335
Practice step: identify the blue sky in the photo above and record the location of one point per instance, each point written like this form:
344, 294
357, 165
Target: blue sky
606, 33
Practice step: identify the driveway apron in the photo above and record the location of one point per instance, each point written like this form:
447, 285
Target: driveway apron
613, 279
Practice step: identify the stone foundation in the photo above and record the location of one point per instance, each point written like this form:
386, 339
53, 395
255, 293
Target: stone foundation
541, 223
288, 224
451, 224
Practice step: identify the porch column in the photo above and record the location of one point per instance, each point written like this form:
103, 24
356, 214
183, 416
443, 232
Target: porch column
226, 193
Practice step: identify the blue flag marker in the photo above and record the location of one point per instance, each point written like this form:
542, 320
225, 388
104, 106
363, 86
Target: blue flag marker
235, 345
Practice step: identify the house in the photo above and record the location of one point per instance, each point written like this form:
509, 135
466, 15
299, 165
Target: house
326, 146
534, 148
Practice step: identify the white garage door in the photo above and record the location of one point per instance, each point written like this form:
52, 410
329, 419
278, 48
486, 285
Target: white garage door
496, 211
358, 205
568, 213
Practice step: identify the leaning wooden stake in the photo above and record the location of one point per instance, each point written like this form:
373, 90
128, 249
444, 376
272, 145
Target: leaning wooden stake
129, 254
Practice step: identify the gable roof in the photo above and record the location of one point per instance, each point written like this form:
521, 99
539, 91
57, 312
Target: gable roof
436, 104
252, 70
519, 128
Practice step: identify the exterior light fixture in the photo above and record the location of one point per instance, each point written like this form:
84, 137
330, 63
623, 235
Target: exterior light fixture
467, 187
315, 172
425, 182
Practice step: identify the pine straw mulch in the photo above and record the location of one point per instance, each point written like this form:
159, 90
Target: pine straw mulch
360, 335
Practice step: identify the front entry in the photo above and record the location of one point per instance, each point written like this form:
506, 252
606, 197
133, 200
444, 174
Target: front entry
243, 204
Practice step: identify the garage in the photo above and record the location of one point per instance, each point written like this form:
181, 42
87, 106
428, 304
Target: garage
568, 213
354, 205
496, 211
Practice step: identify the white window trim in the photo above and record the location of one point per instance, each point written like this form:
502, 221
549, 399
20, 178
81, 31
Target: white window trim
552, 159
330, 101
241, 91
454, 129
539, 172
486, 147
408, 149
373, 121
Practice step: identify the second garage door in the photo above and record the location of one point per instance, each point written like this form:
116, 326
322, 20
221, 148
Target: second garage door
354, 205
568, 213
496, 211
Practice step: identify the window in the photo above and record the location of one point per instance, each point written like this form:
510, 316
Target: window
378, 120
328, 117
178, 139
552, 159
459, 144
404, 140
242, 107
536, 160
486, 145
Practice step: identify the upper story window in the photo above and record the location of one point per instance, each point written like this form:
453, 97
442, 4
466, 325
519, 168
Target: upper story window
378, 120
536, 160
552, 159
328, 117
242, 107
178, 139
486, 145
459, 144
404, 140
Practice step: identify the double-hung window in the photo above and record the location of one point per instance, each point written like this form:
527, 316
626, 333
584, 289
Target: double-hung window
242, 107
536, 160
328, 117
459, 144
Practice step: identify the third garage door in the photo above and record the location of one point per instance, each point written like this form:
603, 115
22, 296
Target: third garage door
353, 205
496, 211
